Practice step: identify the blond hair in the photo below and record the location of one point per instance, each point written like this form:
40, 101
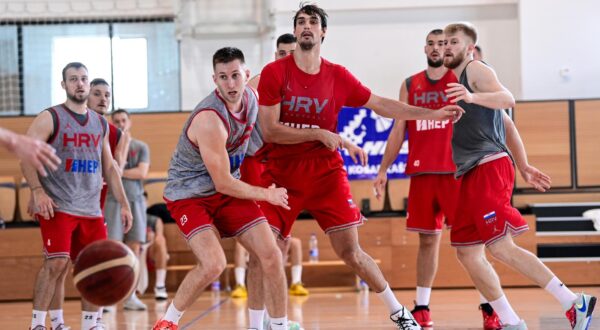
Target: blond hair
467, 28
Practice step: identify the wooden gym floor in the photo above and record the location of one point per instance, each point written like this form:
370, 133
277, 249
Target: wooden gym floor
323, 309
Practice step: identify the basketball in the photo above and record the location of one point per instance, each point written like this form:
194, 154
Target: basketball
105, 272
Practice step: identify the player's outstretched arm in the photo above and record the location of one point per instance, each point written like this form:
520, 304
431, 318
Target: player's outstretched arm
275, 132
209, 134
113, 179
488, 91
41, 129
32, 151
536, 178
400, 110
392, 148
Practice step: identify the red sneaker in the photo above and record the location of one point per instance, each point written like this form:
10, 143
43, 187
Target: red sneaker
164, 325
422, 315
491, 321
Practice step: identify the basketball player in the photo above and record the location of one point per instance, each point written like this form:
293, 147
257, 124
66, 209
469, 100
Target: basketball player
203, 190
300, 97
433, 194
485, 217
37, 153
134, 172
67, 201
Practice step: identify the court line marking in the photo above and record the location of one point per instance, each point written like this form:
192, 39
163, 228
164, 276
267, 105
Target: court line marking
203, 314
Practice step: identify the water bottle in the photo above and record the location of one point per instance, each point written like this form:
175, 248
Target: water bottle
2, 224
216, 286
313, 249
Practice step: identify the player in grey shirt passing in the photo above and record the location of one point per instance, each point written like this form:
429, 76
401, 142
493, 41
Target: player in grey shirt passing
135, 170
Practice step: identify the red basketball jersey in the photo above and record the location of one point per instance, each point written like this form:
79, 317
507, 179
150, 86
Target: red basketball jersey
113, 137
308, 100
429, 141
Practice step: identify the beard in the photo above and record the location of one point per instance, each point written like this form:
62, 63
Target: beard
306, 45
77, 99
454, 62
435, 64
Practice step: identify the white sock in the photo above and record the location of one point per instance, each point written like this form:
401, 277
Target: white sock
256, 318
99, 317
505, 312
88, 320
38, 318
423, 296
172, 314
388, 298
240, 276
56, 317
161, 276
279, 323
482, 299
296, 271
560, 291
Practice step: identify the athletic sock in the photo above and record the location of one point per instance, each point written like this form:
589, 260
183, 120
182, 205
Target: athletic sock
38, 318
256, 318
88, 320
505, 312
388, 298
240, 276
161, 276
296, 272
423, 296
279, 323
172, 314
564, 295
56, 317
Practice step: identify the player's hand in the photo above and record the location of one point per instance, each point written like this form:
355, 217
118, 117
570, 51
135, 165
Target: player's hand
357, 154
536, 178
36, 153
449, 112
277, 196
379, 184
31, 207
458, 92
126, 219
44, 205
331, 140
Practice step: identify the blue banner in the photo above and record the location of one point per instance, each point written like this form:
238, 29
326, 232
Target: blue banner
369, 131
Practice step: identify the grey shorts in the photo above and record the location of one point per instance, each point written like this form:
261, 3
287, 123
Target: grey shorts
114, 226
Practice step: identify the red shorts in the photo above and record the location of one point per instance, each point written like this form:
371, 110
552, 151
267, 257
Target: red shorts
65, 235
431, 198
485, 213
318, 185
252, 170
231, 216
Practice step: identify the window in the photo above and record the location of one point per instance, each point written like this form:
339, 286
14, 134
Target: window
10, 91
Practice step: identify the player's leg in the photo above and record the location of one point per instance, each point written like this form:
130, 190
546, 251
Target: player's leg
210, 264
240, 258
134, 239
296, 287
56, 305
262, 247
158, 251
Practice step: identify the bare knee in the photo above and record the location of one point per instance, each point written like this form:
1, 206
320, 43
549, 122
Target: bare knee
505, 252
270, 259
55, 266
351, 255
214, 266
469, 257
429, 241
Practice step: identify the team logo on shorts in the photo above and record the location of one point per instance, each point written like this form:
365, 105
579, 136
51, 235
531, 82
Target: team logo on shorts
183, 219
490, 218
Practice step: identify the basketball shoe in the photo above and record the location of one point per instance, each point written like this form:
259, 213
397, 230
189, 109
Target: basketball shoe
404, 320
160, 293
580, 314
61, 326
164, 325
422, 315
520, 326
239, 292
298, 289
38, 327
491, 321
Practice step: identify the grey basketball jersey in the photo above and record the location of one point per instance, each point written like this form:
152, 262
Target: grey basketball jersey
187, 175
138, 153
75, 186
480, 132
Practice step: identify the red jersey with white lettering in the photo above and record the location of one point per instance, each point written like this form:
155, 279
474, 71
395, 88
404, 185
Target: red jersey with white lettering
429, 141
309, 100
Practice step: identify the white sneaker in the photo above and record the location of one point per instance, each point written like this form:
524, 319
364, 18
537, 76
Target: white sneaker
520, 326
134, 304
99, 326
160, 293
404, 320
109, 309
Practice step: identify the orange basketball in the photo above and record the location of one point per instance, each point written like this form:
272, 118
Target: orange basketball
105, 272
